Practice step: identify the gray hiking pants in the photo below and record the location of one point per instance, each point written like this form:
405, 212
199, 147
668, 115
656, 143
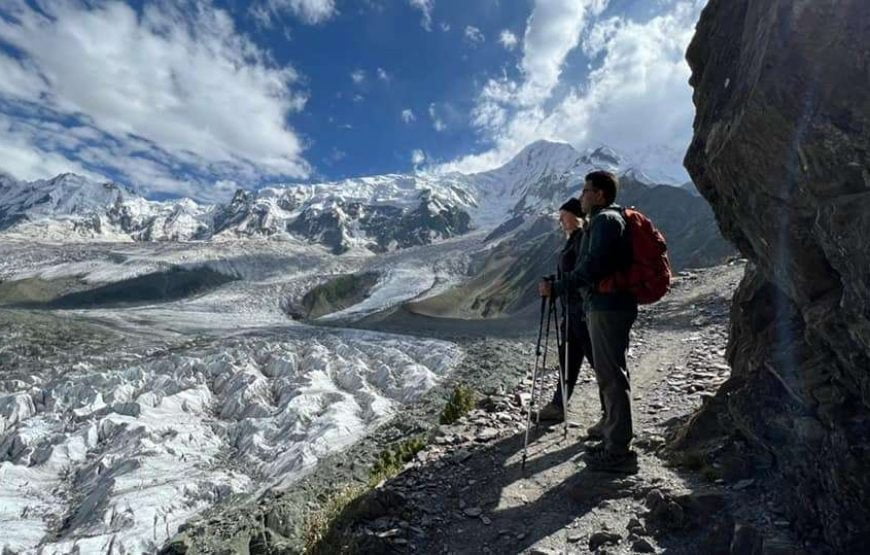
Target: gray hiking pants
608, 332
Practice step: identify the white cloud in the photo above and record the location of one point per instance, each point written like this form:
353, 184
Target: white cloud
552, 31
473, 35
23, 161
508, 39
408, 115
183, 89
445, 27
358, 76
383, 75
308, 11
437, 121
417, 157
637, 100
425, 6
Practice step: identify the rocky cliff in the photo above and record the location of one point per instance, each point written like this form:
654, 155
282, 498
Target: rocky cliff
781, 151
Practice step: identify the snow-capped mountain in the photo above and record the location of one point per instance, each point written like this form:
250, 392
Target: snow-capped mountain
378, 213
67, 196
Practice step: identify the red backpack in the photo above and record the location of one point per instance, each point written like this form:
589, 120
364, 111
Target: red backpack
649, 275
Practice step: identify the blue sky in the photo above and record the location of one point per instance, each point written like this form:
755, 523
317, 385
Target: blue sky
197, 98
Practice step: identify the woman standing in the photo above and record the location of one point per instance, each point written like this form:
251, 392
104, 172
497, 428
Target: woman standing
573, 320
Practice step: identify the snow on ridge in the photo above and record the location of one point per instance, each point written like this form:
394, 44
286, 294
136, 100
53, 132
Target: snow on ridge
66, 194
332, 213
133, 449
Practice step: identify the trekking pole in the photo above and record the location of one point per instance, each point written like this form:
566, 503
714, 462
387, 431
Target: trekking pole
562, 342
563, 371
534, 381
546, 350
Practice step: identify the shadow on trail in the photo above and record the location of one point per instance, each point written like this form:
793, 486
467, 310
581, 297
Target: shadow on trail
558, 506
512, 524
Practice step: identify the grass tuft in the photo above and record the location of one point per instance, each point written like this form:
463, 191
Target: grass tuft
322, 525
327, 529
392, 459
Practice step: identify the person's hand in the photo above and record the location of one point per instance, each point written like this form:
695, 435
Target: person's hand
545, 288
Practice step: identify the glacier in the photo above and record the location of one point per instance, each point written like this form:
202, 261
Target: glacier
196, 400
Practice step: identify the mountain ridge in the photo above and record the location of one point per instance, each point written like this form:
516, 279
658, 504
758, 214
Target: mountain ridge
372, 213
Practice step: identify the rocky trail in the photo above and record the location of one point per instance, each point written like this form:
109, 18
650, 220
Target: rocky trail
468, 493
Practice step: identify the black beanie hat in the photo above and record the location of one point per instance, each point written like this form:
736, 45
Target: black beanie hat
573, 206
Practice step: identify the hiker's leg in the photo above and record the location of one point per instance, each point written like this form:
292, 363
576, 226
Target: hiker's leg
586, 346
578, 348
608, 331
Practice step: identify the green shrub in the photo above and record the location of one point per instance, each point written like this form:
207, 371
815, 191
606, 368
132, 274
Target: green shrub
392, 459
459, 404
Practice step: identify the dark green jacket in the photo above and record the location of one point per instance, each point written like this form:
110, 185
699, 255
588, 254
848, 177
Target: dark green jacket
604, 250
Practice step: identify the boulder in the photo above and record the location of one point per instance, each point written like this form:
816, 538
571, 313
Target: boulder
781, 151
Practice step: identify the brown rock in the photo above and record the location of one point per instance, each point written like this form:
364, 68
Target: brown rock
781, 151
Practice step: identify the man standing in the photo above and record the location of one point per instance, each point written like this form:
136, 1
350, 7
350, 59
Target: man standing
605, 250
577, 336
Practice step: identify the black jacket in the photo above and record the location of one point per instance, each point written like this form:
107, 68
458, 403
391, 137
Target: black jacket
604, 250
568, 258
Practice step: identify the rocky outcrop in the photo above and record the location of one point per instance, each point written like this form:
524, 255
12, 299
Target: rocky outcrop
781, 151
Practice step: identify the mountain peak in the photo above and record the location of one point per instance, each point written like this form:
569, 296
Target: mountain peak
546, 147
541, 156
605, 154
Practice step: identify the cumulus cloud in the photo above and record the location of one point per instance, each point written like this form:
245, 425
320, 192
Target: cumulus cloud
552, 31
508, 39
308, 11
383, 75
358, 76
22, 160
408, 115
417, 157
473, 35
425, 6
437, 122
169, 98
641, 77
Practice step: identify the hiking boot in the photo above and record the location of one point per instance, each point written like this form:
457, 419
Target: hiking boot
596, 431
610, 461
550, 413
593, 447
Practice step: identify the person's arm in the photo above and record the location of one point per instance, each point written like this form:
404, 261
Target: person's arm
602, 257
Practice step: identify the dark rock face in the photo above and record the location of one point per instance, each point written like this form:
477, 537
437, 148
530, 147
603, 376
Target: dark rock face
782, 153
234, 212
323, 226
